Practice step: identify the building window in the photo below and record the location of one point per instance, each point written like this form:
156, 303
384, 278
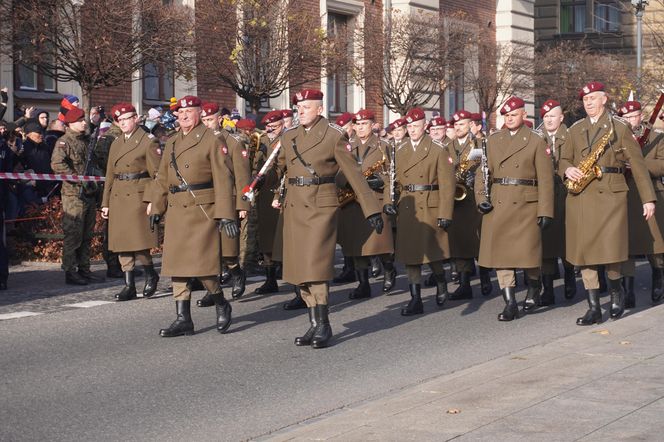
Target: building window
29, 78
337, 84
572, 16
455, 93
158, 83
607, 16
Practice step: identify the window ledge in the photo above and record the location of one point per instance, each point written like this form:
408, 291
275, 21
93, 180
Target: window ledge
37, 95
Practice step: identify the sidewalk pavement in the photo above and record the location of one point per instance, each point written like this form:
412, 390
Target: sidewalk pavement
605, 382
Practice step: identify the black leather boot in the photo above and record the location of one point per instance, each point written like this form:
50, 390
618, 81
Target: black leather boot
225, 275
296, 303
206, 300
128, 292
389, 276
485, 281
270, 285
364, 289
570, 280
183, 325
617, 298
347, 272
238, 280
151, 280
323, 331
601, 275
73, 278
224, 310
430, 281
305, 339
414, 307
454, 275
511, 310
533, 295
464, 291
548, 296
657, 289
376, 266
441, 289
630, 297
594, 313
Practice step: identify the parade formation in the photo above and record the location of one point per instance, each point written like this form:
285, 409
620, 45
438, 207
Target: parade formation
421, 192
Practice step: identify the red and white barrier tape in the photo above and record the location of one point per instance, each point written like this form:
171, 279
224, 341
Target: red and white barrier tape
48, 177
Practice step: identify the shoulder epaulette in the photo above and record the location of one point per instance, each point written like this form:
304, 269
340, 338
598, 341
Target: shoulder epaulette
577, 122
291, 128
538, 132
337, 127
438, 143
217, 132
620, 120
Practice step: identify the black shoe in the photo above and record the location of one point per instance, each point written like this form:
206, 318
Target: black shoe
270, 285
548, 296
114, 272
533, 295
364, 289
617, 298
441, 290
594, 313
414, 307
73, 278
347, 272
630, 297
323, 331
657, 290
225, 275
430, 281
128, 292
194, 285
376, 267
485, 281
151, 280
238, 280
511, 310
296, 303
389, 276
90, 277
305, 339
570, 281
206, 300
224, 310
464, 291
183, 325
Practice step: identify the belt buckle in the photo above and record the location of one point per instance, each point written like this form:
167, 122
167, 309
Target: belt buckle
315, 180
182, 187
299, 181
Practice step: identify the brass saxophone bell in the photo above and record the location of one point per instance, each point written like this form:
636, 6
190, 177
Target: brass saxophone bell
460, 192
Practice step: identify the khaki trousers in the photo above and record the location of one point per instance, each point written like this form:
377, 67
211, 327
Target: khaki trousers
591, 279
506, 276
128, 259
182, 293
314, 293
414, 272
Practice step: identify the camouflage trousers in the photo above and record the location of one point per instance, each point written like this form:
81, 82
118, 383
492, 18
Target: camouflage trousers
249, 239
78, 223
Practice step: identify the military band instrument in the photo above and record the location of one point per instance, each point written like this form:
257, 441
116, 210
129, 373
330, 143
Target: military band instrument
393, 172
485, 206
643, 139
248, 191
347, 195
463, 169
588, 166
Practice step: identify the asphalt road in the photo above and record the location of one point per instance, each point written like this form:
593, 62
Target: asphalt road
103, 373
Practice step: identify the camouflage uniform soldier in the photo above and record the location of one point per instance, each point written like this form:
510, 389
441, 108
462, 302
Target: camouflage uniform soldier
78, 205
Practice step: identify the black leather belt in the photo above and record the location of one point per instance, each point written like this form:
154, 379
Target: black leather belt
514, 182
612, 169
420, 187
311, 181
184, 188
131, 176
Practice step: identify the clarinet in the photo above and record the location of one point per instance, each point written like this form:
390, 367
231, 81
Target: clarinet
393, 172
485, 206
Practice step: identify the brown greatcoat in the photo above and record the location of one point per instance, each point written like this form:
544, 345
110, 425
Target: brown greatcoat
510, 236
128, 223
646, 237
191, 236
237, 160
355, 235
596, 219
419, 239
268, 216
464, 233
553, 238
311, 212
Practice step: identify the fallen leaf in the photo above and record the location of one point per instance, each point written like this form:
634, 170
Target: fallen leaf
602, 332
453, 411
520, 358
625, 343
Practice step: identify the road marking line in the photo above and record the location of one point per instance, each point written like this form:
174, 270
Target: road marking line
88, 304
16, 315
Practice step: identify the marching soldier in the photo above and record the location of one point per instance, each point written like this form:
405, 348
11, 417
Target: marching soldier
596, 217
521, 192
79, 200
194, 186
645, 237
450, 133
399, 131
476, 125
358, 240
424, 209
553, 239
311, 156
287, 115
437, 128
132, 164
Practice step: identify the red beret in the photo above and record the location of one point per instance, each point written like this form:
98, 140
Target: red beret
286, 113
365, 114
208, 109
188, 101
450, 124
121, 109
344, 119
415, 114
461, 115
593, 86
629, 107
528, 123
476, 116
512, 104
399, 123
437, 122
308, 94
272, 116
246, 123
74, 115
548, 106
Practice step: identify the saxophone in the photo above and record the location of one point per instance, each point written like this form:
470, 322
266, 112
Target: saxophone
346, 196
589, 166
464, 166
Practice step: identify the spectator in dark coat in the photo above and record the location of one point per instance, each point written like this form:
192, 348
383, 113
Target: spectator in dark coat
37, 158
